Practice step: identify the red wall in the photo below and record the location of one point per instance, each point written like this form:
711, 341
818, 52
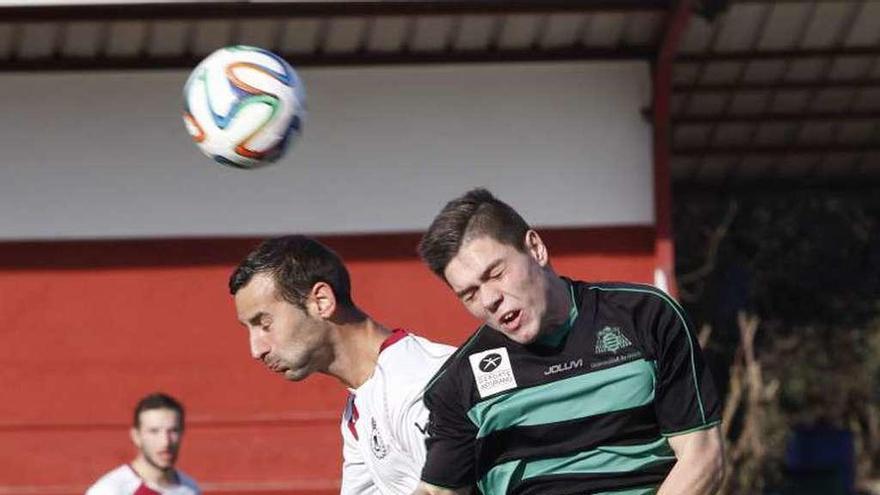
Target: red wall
89, 327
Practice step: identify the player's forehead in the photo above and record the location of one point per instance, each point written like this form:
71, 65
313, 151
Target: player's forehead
162, 417
474, 257
255, 295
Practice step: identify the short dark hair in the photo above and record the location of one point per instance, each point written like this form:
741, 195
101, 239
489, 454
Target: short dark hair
295, 263
157, 400
474, 214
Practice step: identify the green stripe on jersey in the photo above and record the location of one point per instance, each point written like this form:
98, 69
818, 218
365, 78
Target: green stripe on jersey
613, 389
623, 459
607, 459
497, 480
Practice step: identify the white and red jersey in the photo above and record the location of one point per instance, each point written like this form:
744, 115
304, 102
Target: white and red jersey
125, 481
383, 427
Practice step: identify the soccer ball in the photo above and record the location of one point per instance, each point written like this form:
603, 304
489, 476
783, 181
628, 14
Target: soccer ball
243, 106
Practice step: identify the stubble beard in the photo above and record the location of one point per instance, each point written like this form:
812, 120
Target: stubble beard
153, 462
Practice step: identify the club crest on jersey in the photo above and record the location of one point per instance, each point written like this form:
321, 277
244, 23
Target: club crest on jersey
611, 339
492, 371
380, 449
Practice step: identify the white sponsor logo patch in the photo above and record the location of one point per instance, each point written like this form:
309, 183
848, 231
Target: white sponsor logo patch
492, 371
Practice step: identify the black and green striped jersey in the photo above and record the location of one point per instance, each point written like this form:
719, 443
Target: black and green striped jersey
586, 410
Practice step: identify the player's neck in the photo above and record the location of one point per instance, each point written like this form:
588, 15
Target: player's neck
357, 351
152, 474
558, 303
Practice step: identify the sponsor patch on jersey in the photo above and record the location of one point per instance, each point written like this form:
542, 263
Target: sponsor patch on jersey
492, 371
559, 368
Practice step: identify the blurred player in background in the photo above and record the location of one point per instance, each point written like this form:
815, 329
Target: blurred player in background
293, 295
157, 431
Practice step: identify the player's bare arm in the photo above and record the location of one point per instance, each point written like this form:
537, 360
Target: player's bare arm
429, 489
700, 466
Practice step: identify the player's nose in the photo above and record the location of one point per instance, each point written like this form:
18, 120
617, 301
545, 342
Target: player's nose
259, 348
168, 439
490, 298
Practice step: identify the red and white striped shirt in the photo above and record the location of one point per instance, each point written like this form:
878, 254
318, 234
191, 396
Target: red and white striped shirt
125, 481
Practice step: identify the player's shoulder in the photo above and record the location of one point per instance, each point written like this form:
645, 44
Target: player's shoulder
449, 377
417, 345
119, 480
412, 354
406, 365
627, 294
187, 484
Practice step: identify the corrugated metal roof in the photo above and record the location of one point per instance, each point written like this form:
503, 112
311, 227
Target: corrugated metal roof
321, 33
785, 90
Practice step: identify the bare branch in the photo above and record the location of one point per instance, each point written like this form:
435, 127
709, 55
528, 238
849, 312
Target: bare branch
712, 249
705, 333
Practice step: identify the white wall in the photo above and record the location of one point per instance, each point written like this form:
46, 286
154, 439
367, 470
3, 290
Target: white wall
105, 155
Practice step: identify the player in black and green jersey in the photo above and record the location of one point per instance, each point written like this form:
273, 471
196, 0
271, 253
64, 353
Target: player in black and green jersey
568, 387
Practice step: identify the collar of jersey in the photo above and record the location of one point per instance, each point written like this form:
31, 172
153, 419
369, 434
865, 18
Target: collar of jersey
554, 338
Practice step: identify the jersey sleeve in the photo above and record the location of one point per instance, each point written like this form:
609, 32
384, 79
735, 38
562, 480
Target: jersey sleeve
450, 461
686, 397
98, 489
189, 482
108, 484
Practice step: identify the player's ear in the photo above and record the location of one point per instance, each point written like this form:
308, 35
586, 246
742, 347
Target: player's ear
536, 248
322, 300
135, 438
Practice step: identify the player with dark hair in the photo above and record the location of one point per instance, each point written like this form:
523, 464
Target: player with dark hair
293, 295
568, 387
157, 430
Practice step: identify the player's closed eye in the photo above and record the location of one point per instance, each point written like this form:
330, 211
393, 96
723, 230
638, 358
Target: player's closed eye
266, 324
468, 296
